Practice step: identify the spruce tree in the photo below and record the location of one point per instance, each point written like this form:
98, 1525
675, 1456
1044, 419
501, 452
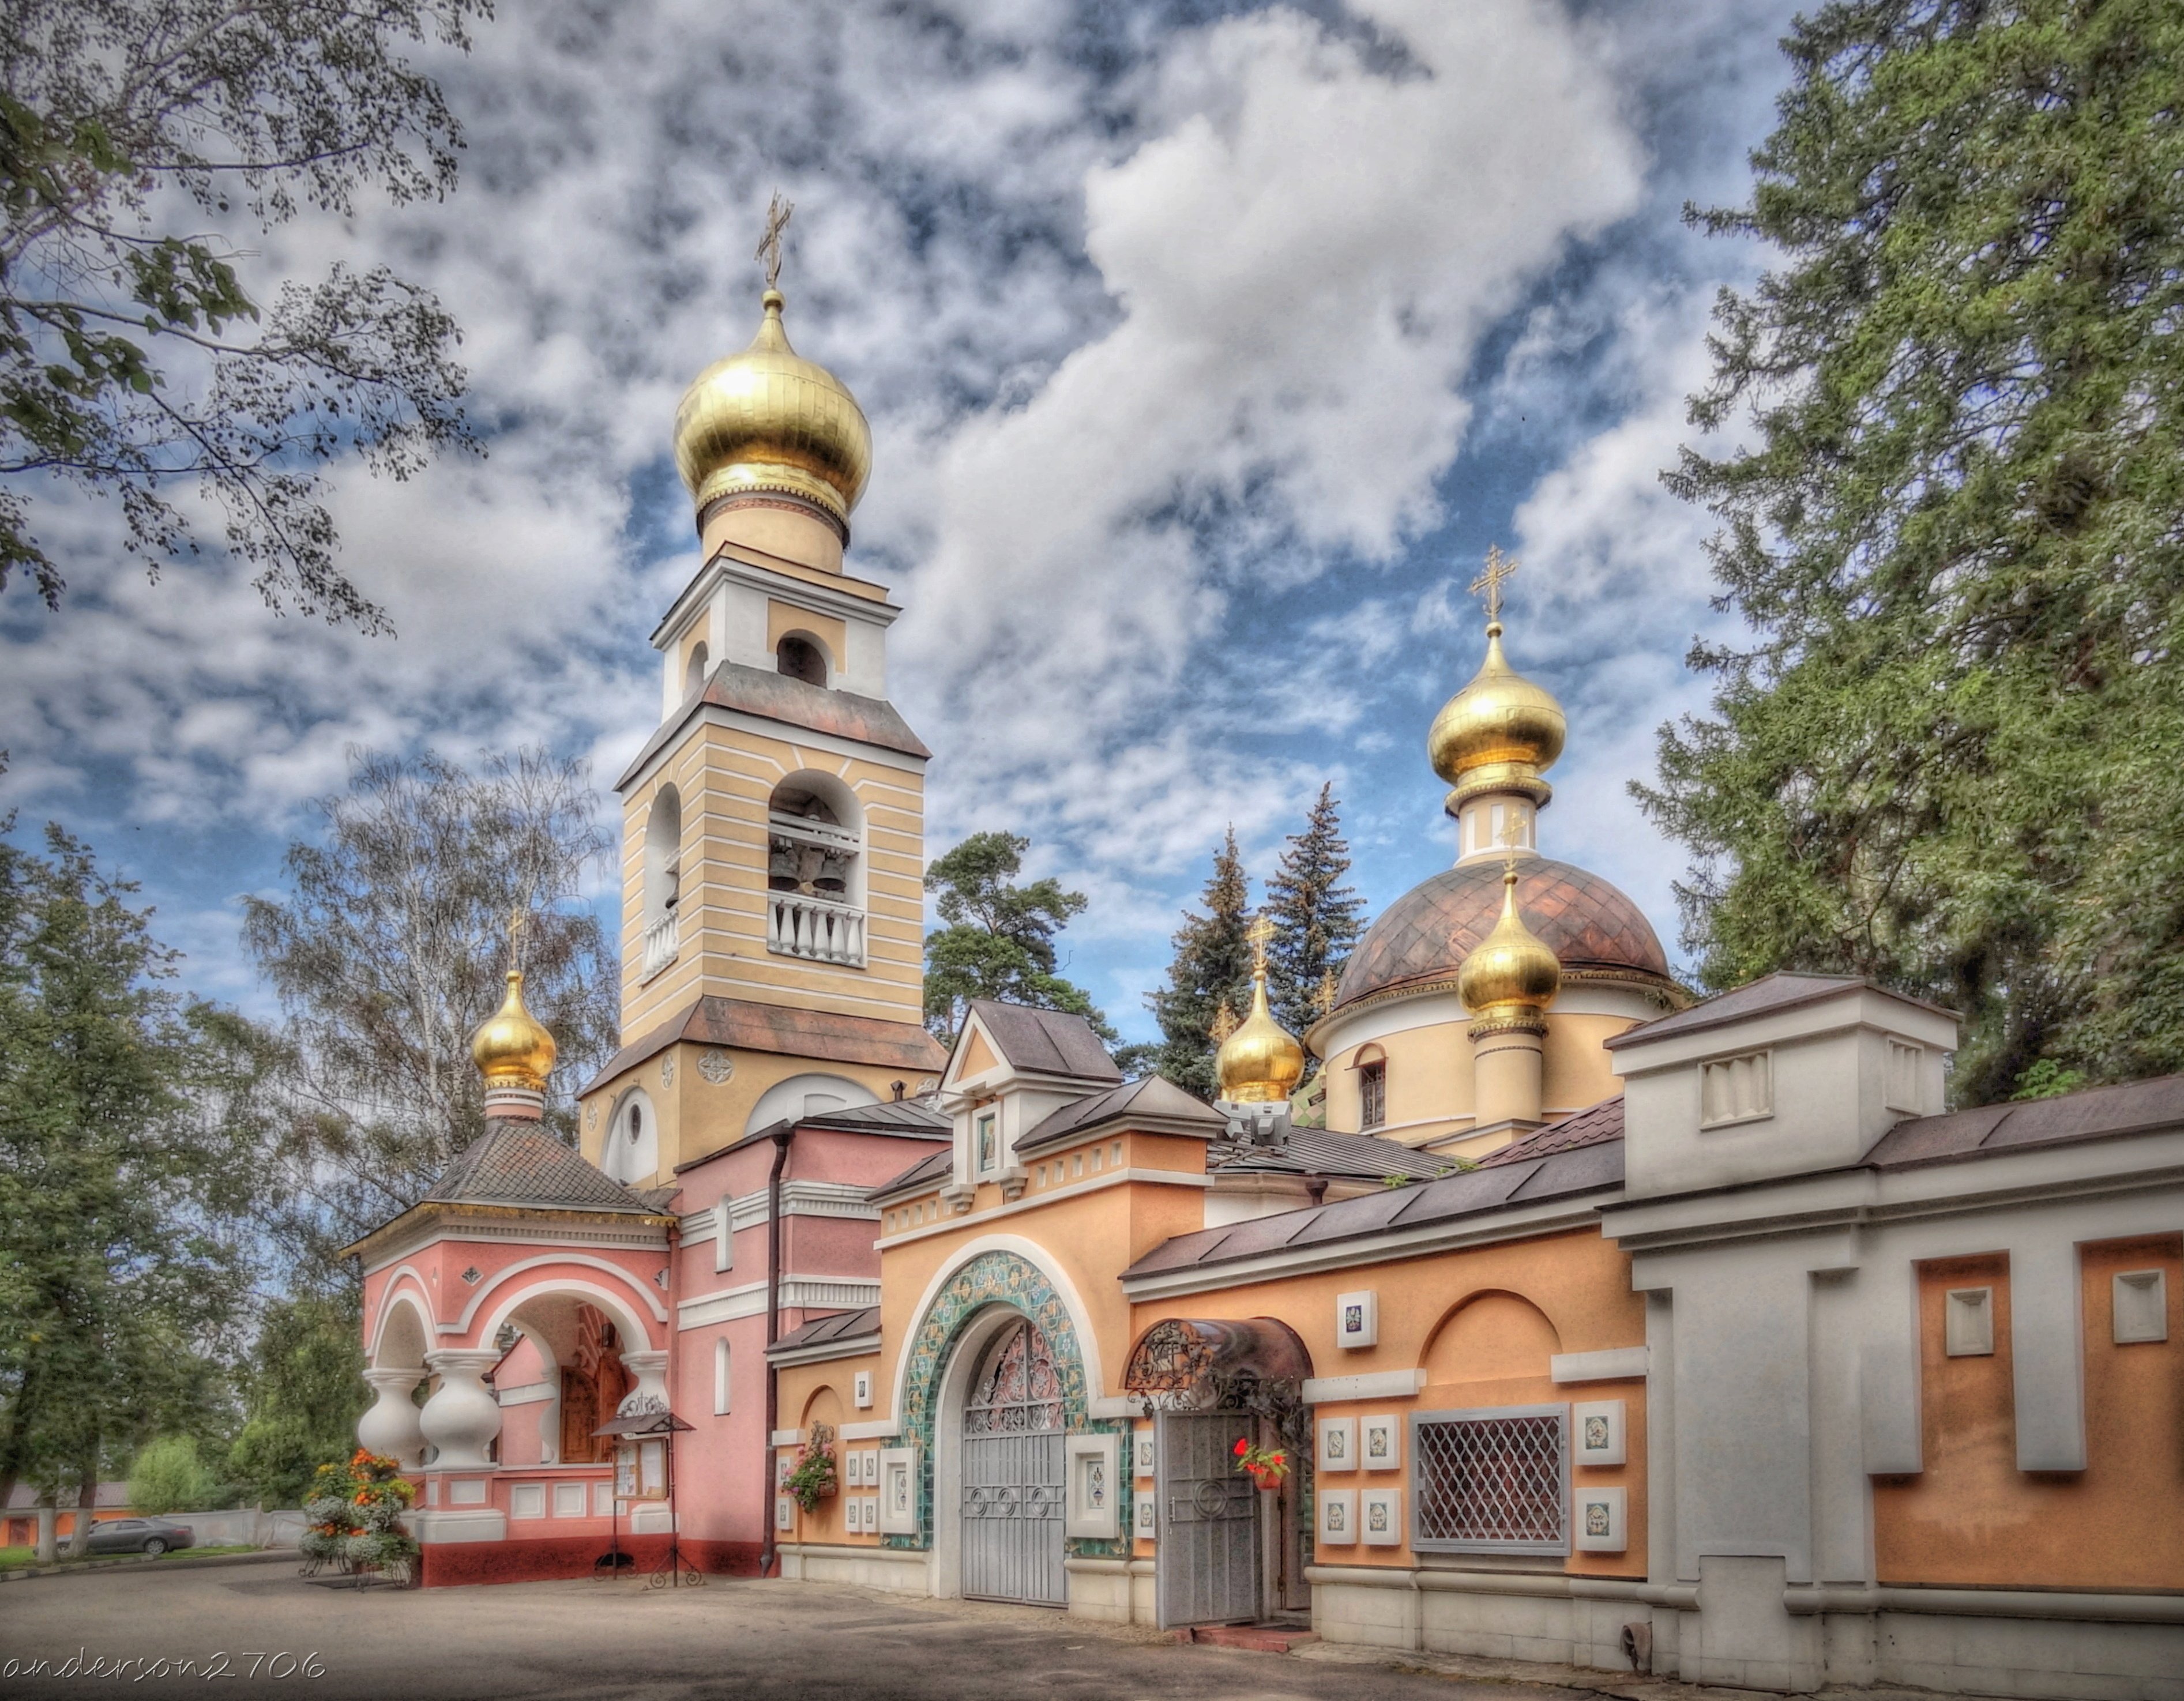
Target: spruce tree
1316, 920
1950, 755
1212, 968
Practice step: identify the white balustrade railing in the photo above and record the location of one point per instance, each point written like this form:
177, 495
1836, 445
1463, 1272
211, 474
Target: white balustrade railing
660, 940
815, 927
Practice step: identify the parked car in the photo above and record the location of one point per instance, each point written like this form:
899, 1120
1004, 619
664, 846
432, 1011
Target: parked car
152, 1536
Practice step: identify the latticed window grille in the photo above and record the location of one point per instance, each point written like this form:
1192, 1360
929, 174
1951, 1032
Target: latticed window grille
1492, 1481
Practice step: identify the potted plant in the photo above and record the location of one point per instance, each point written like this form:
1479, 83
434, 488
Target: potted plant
1265, 1465
331, 1506
813, 1478
377, 1541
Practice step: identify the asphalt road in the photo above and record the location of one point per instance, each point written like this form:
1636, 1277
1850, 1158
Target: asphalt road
259, 1629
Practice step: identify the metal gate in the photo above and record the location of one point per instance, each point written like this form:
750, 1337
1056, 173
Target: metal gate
1208, 1562
1012, 1500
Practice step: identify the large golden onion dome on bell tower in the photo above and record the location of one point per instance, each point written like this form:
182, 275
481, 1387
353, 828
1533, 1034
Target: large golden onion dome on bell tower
1260, 1063
766, 422
1511, 976
1501, 731
512, 1048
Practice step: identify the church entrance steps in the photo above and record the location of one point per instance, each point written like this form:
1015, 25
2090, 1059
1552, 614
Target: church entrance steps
1267, 1638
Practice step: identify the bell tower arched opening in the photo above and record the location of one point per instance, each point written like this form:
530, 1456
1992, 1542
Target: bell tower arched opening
815, 870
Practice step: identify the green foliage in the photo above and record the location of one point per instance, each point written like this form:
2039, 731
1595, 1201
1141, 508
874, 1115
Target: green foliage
306, 1393
169, 1477
1953, 758
1212, 968
999, 939
121, 1182
1317, 920
132, 355
388, 953
811, 1479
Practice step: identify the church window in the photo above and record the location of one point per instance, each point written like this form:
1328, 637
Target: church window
719, 1378
1095, 1160
815, 907
1373, 1093
799, 657
1491, 1481
1115, 1156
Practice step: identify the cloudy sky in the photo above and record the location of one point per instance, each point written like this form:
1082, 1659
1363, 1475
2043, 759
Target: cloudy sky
1206, 349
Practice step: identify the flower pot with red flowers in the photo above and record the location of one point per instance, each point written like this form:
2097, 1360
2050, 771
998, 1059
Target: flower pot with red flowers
1265, 1465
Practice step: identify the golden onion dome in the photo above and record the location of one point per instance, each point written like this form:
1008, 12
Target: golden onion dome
512, 1047
1260, 1063
767, 421
1512, 973
1498, 733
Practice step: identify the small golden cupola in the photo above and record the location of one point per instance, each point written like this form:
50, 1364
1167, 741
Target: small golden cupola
1512, 974
1260, 1062
765, 426
1493, 740
514, 1053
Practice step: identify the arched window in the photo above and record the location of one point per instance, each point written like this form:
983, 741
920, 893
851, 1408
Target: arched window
695, 669
800, 657
1372, 1066
814, 873
633, 1144
663, 878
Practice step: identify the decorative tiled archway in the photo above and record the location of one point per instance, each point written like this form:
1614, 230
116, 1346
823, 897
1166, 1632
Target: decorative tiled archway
992, 1278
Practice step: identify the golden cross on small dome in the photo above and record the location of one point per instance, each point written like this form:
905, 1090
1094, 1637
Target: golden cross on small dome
1499, 567
1259, 934
1324, 999
769, 245
1224, 1024
518, 919
1511, 838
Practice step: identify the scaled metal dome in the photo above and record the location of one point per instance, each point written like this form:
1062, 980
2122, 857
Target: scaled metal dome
1424, 935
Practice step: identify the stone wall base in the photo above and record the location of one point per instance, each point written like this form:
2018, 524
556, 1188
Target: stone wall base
891, 1569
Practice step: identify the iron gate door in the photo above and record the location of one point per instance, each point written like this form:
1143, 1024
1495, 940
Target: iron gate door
1011, 1499
1207, 1556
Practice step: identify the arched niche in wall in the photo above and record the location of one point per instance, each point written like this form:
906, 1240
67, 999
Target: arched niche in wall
695, 670
663, 855
631, 1153
801, 655
807, 1095
1493, 1336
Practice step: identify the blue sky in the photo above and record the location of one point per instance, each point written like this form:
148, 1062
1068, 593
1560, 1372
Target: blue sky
1206, 349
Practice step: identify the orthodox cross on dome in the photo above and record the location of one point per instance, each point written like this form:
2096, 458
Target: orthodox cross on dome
1511, 838
1258, 935
769, 245
1323, 1000
1224, 1024
518, 921
1488, 585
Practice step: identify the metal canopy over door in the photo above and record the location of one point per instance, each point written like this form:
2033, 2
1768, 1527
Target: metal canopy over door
1012, 1502
1207, 1557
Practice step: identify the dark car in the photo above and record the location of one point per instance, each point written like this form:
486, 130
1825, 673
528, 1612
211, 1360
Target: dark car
139, 1536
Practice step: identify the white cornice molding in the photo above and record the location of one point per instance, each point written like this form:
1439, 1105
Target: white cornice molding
500, 1231
779, 732
798, 1292
806, 1199
851, 1347
1067, 1190
1550, 1216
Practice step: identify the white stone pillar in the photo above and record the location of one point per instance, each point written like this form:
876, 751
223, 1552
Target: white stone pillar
390, 1426
462, 1417
650, 1394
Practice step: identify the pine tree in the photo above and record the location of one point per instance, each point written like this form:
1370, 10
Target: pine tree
999, 939
1316, 921
1952, 755
1212, 969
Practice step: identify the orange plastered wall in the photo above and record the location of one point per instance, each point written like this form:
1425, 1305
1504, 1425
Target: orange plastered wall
810, 1394
1973, 1517
1483, 1322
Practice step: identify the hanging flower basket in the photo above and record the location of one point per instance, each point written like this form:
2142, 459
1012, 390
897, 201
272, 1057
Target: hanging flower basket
1265, 1465
814, 1479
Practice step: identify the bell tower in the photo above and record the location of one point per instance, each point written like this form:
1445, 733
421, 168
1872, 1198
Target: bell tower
773, 825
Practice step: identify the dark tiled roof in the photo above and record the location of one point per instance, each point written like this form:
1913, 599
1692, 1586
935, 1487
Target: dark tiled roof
894, 1118
1603, 1121
1150, 1099
1350, 1157
748, 1025
517, 1163
924, 1173
1426, 934
2100, 1112
1784, 989
1588, 1170
773, 696
839, 1326
1045, 1042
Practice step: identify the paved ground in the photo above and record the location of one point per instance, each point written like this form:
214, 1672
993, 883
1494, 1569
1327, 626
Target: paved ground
259, 1630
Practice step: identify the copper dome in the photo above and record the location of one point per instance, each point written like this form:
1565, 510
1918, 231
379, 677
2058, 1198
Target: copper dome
1425, 935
